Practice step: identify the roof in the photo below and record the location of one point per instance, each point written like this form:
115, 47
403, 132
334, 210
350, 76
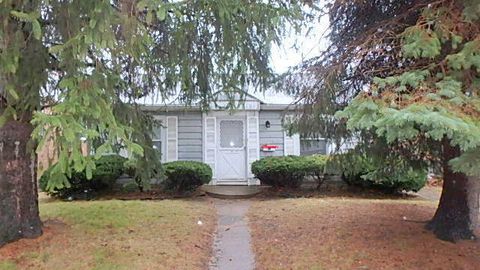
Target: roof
264, 97
165, 106
177, 108
272, 96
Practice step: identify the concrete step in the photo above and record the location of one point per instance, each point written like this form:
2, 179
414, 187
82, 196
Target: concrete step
232, 192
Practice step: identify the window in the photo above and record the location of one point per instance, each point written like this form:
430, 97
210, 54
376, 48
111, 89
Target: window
158, 138
231, 134
313, 146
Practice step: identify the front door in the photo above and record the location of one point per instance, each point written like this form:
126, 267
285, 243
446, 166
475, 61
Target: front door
231, 159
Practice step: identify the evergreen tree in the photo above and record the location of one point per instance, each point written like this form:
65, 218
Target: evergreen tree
406, 73
91, 60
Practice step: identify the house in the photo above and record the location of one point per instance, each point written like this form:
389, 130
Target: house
228, 141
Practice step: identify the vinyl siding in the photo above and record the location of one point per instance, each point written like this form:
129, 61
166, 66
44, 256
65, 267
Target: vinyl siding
272, 135
189, 135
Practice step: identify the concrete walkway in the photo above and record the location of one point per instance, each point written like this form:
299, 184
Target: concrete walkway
232, 248
430, 193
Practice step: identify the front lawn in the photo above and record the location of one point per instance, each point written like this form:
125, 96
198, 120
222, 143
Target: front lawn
117, 235
338, 233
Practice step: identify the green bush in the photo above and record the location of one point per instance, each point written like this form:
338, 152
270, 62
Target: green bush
106, 172
407, 180
108, 169
143, 171
184, 176
288, 171
390, 176
130, 168
130, 187
315, 165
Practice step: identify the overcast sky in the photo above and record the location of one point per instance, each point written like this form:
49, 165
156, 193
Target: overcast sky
295, 49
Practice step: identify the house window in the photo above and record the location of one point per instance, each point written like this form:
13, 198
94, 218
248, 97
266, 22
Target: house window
311, 146
165, 137
159, 138
157, 146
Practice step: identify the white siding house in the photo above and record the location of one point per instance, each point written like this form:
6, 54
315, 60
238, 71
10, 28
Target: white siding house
227, 141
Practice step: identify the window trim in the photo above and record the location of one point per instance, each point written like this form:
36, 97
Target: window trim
163, 137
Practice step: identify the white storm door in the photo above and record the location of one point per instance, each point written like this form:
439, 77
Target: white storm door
231, 160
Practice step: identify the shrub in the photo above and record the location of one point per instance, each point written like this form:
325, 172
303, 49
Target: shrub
390, 176
315, 165
106, 172
130, 187
288, 171
108, 169
143, 171
184, 176
130, 168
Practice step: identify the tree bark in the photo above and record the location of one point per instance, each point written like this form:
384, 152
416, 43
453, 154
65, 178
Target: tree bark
19, 216
457, 214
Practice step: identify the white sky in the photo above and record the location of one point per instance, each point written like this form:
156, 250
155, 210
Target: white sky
295, 49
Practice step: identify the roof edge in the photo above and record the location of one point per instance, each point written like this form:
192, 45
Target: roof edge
177, 108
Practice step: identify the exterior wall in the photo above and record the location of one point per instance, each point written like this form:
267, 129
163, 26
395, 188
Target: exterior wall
190, 134
273, 135
48, 155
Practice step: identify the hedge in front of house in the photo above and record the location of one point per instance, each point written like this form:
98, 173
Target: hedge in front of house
288, 171
184, 176
388, 177
401, 179
315, 165
107, 170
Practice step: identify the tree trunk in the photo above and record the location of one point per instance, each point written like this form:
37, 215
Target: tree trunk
19, 216
457, 213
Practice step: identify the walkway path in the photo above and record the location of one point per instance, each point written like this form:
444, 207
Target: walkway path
430, 193
232, 248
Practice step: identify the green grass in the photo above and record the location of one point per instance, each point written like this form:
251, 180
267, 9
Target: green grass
118, 235
8, 265
99, 214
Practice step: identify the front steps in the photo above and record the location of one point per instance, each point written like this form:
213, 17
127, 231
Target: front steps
232, 192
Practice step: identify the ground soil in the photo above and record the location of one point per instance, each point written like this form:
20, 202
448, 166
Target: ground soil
353, 233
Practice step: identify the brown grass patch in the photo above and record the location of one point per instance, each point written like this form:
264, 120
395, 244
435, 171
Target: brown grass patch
117, 235
339, 233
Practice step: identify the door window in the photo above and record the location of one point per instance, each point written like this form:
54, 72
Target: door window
231, 134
